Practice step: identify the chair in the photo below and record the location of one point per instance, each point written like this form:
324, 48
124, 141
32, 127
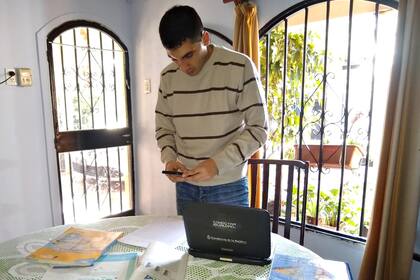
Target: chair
295, 167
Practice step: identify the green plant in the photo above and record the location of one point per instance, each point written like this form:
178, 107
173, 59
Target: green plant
313, 62
328, 207
330, 202
310, 203
350, 209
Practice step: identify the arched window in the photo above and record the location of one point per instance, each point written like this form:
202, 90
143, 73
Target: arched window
90, 94
326, 67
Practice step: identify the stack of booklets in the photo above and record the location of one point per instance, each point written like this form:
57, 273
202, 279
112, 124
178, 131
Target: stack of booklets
75, 247
286, 267
115, 266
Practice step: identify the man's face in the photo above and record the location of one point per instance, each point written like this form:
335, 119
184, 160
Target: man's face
190, 56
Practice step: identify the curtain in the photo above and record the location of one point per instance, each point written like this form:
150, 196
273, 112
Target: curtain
245, 37
389, 248
245, 40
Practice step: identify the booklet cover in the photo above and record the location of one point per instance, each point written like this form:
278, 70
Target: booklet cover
75, 247
116, 266
285, 267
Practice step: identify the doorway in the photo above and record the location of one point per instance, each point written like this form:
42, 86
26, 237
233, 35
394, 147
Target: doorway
91, 108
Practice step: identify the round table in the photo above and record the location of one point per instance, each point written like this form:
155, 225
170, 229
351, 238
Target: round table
13, 264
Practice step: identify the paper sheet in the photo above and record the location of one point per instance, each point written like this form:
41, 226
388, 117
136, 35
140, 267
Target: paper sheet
170, 231
161, 262
108, 267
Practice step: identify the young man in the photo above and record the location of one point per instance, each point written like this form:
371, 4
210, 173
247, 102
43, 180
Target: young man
210, 114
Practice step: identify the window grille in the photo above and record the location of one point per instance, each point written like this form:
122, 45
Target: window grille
325, 66
92, 121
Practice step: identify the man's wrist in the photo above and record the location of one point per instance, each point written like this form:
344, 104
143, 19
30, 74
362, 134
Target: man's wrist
215, 166
169, 162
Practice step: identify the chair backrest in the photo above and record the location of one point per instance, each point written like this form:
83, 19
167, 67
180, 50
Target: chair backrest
294, 167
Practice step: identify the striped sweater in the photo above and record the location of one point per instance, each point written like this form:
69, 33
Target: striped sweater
219, 113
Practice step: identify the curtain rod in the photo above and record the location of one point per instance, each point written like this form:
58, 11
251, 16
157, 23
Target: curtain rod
237, 2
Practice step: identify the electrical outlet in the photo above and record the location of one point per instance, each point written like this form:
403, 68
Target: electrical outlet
12, 81
24, 77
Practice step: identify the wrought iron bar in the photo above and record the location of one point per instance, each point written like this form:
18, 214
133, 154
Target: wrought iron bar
97, 182
84, 180
64, 84
302, 101
103, 76
324, 86
90, 78
103, 88
346, 116
362, 212
119, 175
283, 103
71, 187
77, 78
115, 83
109, 182
267, 74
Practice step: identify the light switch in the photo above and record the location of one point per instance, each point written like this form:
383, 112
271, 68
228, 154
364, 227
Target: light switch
24, 77
147, 86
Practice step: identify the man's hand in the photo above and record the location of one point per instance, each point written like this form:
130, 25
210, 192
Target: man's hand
175, 166
204, 171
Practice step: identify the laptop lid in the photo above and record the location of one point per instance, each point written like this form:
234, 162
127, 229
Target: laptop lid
228, 233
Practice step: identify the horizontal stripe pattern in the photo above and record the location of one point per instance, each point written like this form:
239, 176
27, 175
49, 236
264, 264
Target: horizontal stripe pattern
250, 80
211, 136
240, 152
206, 114
167, 146
191, 157
209, 115
229, 89
169, 71
221, 63
205, 90
163, 135
163, 114
255, 138
213, 113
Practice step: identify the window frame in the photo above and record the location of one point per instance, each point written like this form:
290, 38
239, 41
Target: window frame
67, 141
266, 29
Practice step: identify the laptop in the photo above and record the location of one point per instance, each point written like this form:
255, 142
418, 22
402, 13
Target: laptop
228, 233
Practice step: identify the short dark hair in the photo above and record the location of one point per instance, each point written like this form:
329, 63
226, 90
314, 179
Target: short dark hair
178, 24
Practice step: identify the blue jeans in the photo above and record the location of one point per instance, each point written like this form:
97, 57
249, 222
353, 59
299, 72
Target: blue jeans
235, 193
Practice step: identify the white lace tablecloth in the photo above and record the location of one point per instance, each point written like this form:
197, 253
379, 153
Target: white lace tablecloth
13, 264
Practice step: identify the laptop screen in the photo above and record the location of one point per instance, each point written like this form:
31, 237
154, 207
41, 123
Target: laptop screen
222, 231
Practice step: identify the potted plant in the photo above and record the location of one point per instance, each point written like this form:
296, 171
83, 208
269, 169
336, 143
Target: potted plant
331, 155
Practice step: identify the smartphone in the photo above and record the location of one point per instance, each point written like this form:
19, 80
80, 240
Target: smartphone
172, 172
